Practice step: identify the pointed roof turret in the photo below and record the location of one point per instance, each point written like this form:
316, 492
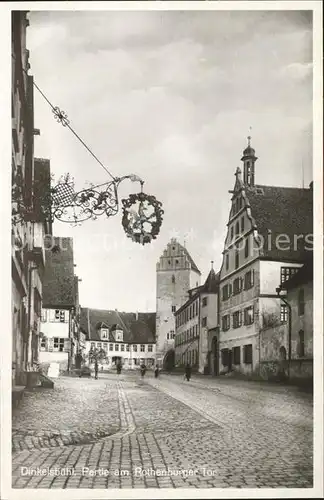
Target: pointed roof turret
211, 284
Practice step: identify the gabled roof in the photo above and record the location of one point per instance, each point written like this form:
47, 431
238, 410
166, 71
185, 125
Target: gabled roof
137, 327
59, 281
193, 265
283, 211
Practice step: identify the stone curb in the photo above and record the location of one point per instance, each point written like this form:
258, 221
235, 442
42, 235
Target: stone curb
30, 440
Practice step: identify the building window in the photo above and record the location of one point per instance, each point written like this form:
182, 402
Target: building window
225, 357
122, 347
242, 225
237, 319
232, 232
173, 278
226, 322
44, 315
237, 259
173, 308
105, 346
111, 347
116, 347
150, 348
104, 334
227, 261
283, 313
127, 347
237, 229
246, 248
227, 291
249, 315
286, 273
43, 344
135, 347
59, 316
204, 301
249, 279
237, 355
247, 354
58, 344
301, 344
301, 302
237, 286
204, 322
142, 348
92, 345
99, 345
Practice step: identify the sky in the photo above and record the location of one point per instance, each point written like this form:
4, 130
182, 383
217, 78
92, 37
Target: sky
169, 96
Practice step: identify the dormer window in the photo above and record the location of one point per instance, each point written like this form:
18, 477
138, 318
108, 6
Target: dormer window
104, 334
119, 334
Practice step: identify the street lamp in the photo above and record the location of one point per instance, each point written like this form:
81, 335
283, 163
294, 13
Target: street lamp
279, 291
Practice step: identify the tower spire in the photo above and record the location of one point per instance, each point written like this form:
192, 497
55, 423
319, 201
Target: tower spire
212, 264
249, 160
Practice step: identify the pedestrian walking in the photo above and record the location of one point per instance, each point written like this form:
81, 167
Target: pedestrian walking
96, 369
143, 370
188, 372
156, 372
119, 368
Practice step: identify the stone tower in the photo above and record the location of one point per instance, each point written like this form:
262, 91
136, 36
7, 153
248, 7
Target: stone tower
176, 274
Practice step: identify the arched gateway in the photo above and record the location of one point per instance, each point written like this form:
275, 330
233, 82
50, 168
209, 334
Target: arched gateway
169, 360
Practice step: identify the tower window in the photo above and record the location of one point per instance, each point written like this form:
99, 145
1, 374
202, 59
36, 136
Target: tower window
237, 259
173, 308
232, 232
242, 224
227, 261
246, 247
237, 228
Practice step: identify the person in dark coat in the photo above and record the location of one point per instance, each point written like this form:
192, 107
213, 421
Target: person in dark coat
156, 372
119, 367
143, 370
188, 371
96, 369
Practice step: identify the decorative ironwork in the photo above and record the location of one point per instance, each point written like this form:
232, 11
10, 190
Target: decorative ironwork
142, 217
142, 214
60, 116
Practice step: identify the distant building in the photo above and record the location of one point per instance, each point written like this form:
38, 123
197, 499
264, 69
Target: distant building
176, 274
194, 320
118, 337
297, 308
269, 236
60, 298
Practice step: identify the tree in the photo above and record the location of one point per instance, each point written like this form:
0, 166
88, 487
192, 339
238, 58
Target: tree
98, 355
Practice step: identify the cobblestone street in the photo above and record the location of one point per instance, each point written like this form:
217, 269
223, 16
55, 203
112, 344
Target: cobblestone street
127, 433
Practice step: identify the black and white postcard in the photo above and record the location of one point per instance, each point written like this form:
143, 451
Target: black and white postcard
162, 250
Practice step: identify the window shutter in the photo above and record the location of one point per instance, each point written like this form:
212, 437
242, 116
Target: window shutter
50, 344
67, 345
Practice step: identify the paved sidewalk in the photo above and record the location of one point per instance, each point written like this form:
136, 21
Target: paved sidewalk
71, 413
176, 434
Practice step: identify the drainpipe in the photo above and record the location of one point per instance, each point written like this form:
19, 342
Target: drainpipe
278, 290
